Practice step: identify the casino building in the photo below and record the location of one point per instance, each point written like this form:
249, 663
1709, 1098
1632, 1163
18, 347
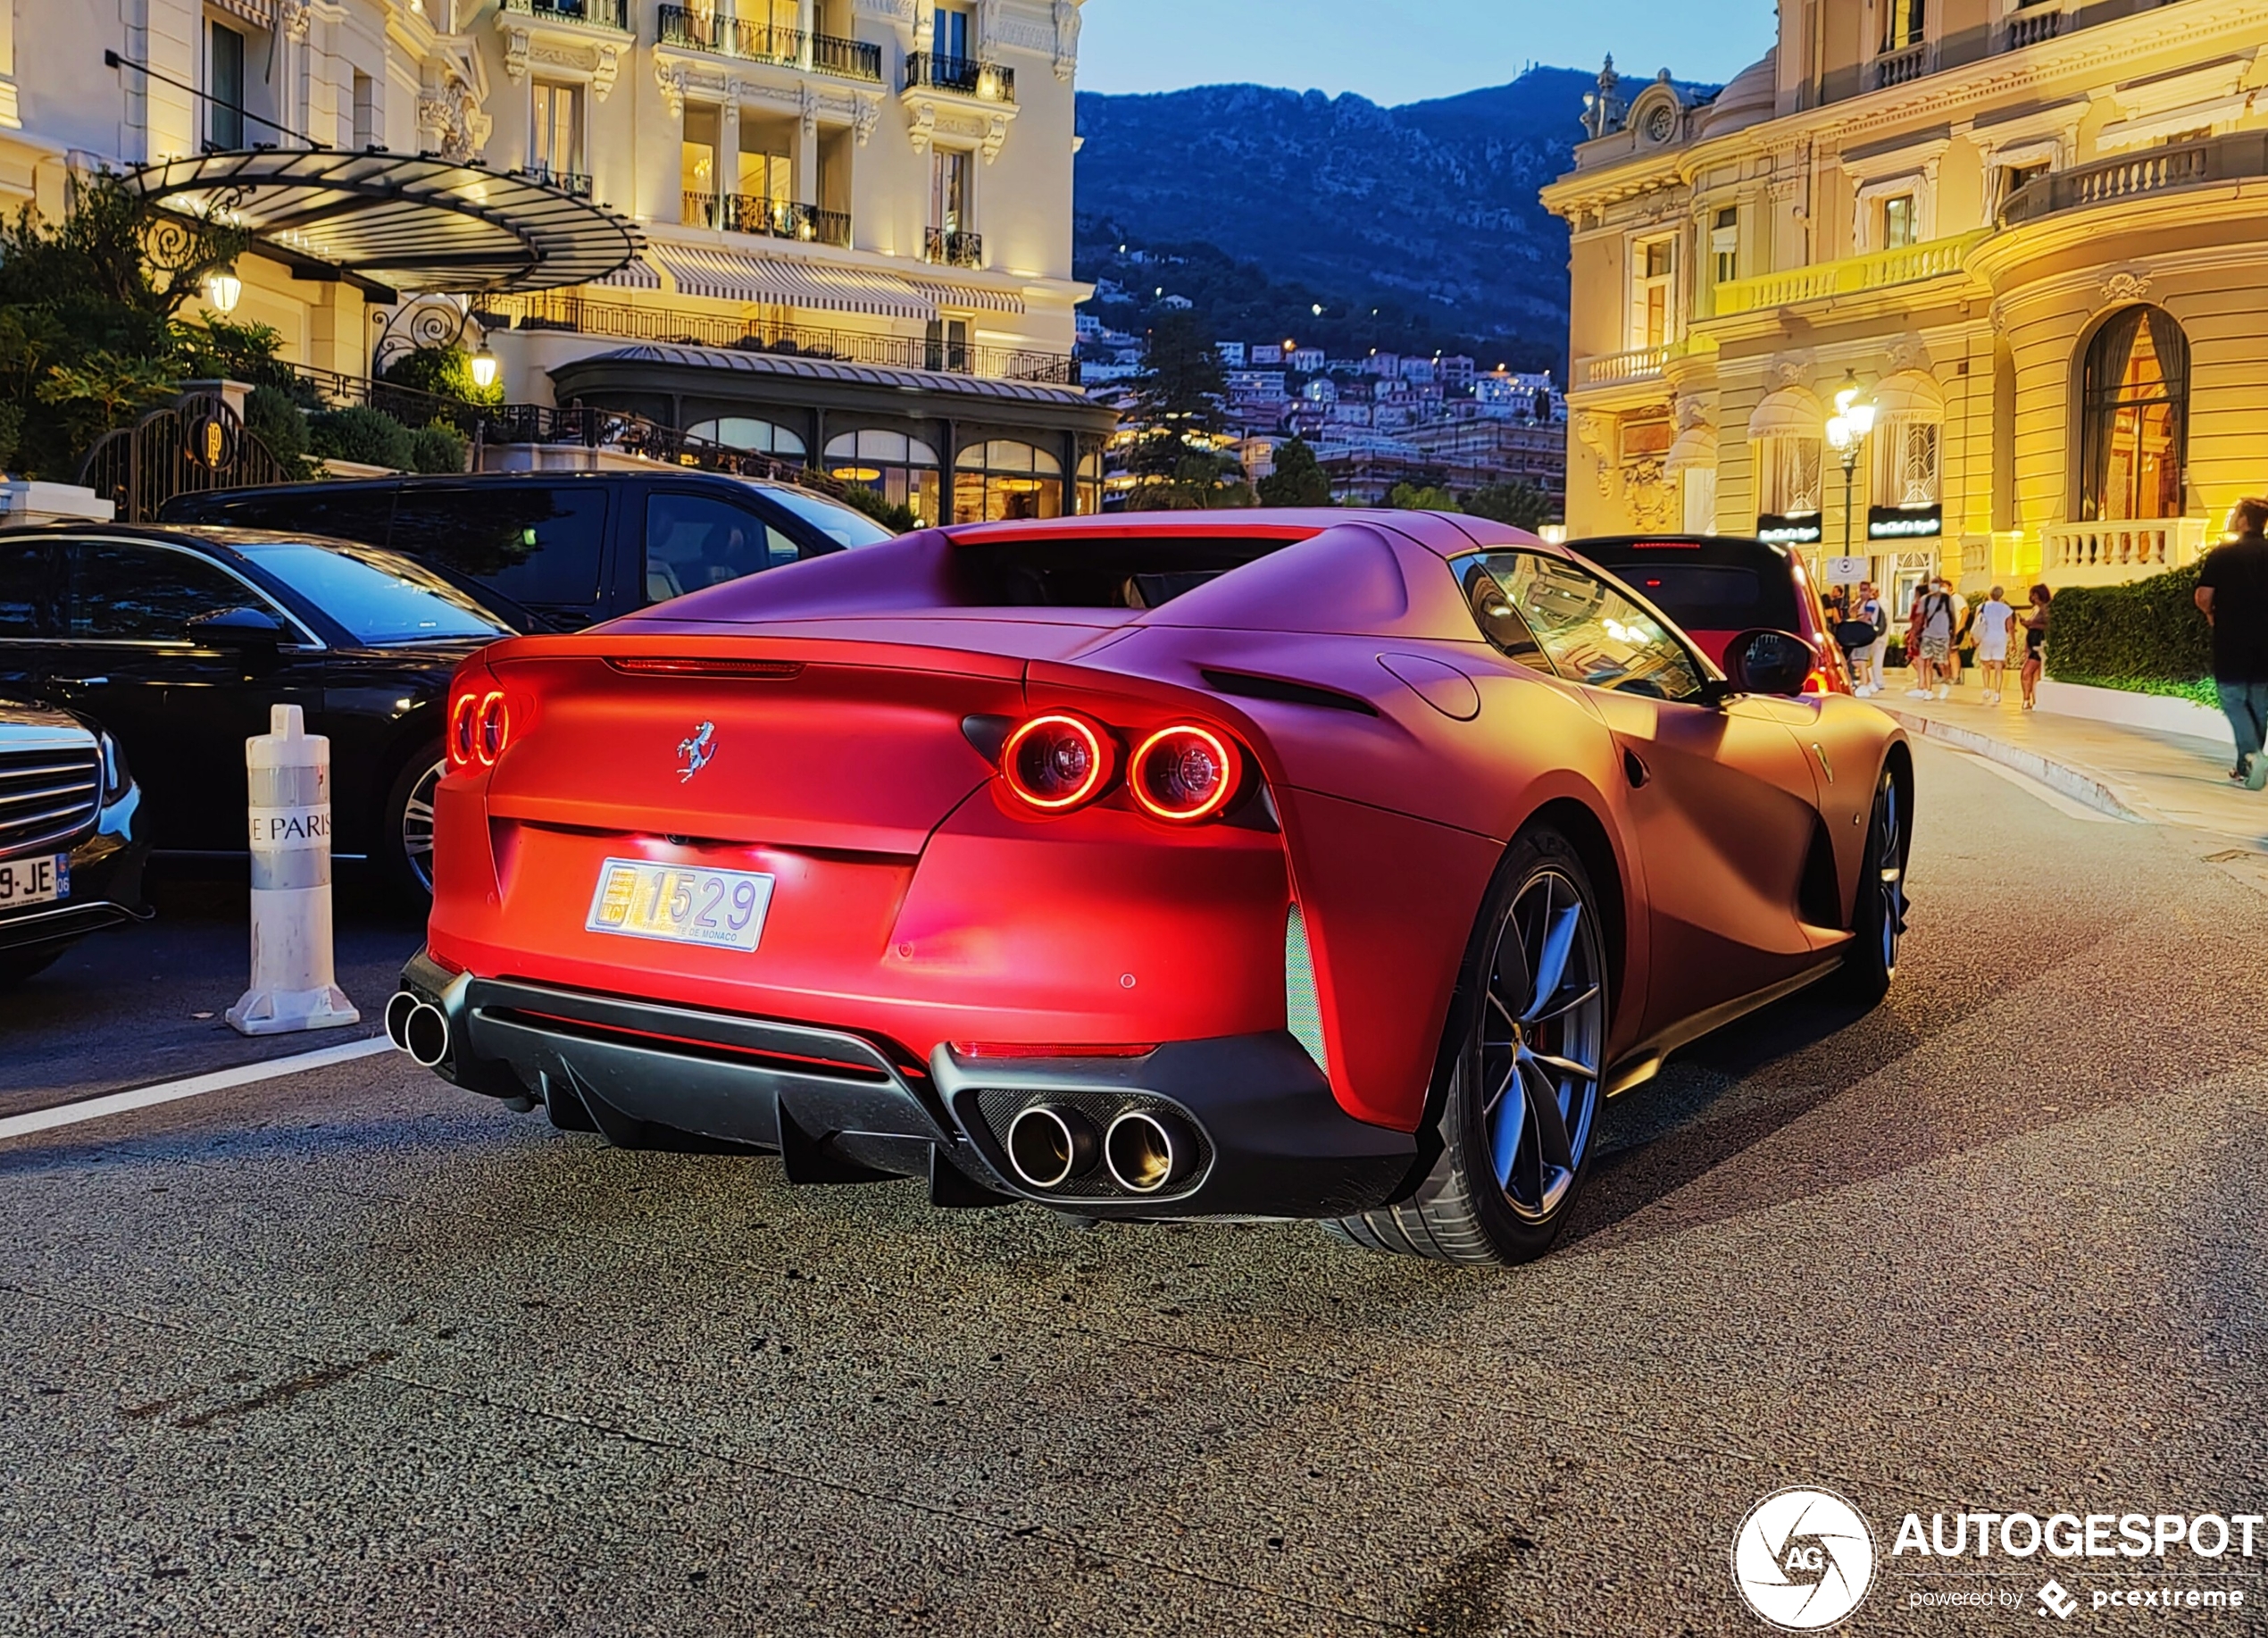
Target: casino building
2027, 232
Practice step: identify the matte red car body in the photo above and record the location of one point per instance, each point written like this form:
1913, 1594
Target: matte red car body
919, 902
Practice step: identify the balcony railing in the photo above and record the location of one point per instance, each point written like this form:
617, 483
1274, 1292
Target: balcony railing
1897, 68
951, 249
988, 82
2109, 553
582, 14
774, 218
2235, 157
830, 54
2034, 25
560, 310
728, 37
574, 182
1639, 363
1852, 276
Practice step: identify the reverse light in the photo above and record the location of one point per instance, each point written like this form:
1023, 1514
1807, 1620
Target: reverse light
1057, 762
1184, 774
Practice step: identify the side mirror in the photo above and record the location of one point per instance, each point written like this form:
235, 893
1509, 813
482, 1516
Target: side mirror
1765, 662
237, 628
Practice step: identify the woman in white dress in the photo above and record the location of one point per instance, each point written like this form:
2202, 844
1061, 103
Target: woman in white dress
1993, 622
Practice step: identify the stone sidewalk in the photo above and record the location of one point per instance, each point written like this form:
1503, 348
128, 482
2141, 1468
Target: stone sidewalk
2129, 772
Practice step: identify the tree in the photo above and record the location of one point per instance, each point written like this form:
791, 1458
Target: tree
1516, 502
1178, 397
1298, 480
1422, 497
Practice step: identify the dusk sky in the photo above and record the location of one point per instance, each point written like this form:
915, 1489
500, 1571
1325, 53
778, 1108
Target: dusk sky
1409, 51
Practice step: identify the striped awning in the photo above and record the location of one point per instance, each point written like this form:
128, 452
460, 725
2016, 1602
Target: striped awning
635, 274
729, 275
969, 295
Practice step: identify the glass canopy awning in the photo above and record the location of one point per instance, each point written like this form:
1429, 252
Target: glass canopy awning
404, 222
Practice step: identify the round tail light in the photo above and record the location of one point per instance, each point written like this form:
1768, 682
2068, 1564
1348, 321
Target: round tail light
1185, 773
462, 712
493, 727
1057, 762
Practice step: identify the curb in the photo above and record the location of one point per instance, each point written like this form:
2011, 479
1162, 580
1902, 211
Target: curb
2074, 779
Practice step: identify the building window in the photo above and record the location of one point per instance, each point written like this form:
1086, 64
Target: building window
555, 145
903, 471
1901, 224
1788, 476
1654, 273
1906, 459
949, 188
1090, 483
365, 111
2134, 414
1902, 24
1724, 243
1005, 479
224, 83
950, 33
747, 432
697, 167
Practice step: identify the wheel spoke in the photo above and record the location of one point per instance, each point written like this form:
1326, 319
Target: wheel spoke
1512, 1069
1551, 1122
1565, 1006
1504, 1134
1564, 1065
1551, 964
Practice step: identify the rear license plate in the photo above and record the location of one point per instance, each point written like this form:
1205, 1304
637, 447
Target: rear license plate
35, 882
684, 904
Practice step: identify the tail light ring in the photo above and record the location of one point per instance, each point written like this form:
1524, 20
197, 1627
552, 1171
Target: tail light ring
1101, 750
1226, 755
463, 712
491, 728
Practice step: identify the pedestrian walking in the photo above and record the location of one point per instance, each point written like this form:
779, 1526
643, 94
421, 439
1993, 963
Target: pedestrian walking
1963, 618
1871, 607
2232, 589
1933, 630
2035, 622
1992, 620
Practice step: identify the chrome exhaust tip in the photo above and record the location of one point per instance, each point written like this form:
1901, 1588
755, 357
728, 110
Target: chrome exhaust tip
1048, 1146
425, 1034
1148, 1152
398, 1010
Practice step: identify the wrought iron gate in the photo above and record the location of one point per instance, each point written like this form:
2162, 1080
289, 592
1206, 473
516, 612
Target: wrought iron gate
195, 445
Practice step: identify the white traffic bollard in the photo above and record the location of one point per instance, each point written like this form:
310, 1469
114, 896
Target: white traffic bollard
293, 985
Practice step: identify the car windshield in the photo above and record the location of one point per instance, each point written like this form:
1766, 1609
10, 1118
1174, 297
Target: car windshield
831, 518
381, 599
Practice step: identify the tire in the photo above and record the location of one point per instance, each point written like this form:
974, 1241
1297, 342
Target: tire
1521, 1092
404, 844
1877, 918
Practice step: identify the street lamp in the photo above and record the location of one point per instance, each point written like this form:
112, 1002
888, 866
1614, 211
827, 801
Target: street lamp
484, 368
1846, 430
222, 290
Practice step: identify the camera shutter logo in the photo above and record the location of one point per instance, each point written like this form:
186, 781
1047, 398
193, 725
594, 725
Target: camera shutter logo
1804, 1559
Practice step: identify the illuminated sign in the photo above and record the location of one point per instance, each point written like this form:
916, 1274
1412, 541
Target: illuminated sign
1800, 530
1904, 522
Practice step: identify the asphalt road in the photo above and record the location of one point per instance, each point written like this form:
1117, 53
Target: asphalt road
350, 1352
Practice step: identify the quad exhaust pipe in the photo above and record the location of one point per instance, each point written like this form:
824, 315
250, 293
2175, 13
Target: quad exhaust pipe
418, 1028
1144, 1152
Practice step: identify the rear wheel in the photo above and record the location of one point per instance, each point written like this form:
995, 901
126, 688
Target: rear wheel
405, 828
1878, 920
1523, 1087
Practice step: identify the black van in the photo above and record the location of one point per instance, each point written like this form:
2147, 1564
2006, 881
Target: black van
557, 551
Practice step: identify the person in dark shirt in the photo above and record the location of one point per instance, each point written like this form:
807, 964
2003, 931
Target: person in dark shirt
2232, 589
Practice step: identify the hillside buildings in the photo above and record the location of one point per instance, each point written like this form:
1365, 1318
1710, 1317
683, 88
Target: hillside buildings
2029, 234
837, 231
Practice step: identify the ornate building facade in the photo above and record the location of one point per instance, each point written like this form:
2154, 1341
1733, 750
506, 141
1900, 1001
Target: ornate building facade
2029, 234
851, 218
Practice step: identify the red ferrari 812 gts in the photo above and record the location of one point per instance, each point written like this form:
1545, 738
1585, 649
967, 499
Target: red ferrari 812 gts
1328, 865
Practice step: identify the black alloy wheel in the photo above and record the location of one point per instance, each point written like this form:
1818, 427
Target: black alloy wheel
1878, 917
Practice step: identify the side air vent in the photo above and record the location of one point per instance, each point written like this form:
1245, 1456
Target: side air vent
1303, 1011
1250, 687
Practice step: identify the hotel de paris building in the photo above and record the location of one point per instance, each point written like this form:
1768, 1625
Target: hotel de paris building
2033, 235
835, 232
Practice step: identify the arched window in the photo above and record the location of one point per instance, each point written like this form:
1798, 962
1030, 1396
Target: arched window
745, 432
1090, 483
1006, 479
2134, 403
902, 470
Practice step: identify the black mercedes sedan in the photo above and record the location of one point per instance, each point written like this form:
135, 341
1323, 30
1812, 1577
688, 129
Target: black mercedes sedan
71, 836
179, 642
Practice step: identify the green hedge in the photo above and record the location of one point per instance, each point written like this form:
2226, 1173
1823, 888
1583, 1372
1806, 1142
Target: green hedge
2145, 637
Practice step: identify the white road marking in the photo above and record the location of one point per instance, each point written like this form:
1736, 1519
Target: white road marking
2048, 794
194, 1086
